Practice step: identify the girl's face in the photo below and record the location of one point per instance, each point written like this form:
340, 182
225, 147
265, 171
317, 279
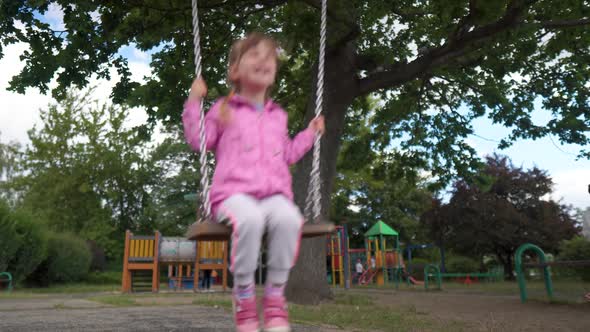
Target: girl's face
257, 67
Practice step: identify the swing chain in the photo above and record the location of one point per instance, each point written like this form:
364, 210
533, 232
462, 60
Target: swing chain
205, 206
313, 201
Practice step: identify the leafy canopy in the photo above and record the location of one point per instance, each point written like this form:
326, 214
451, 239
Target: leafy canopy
424, 60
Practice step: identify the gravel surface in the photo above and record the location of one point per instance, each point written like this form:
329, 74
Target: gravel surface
66, 314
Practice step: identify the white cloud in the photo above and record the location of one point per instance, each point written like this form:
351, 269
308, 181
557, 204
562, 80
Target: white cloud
19, 112
141, 55
55, 17
95, 16
572, 186
139, 70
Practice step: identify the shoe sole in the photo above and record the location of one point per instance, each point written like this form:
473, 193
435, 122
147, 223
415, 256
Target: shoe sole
278, 329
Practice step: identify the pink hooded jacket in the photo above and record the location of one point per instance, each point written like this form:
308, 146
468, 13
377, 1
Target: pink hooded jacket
253, 150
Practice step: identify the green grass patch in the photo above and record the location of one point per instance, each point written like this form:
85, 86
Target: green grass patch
214, 301
115, 300
357, 312
69, 289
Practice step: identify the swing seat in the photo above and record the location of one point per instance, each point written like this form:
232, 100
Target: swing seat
214, 231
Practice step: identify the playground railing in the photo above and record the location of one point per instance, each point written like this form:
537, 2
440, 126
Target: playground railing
543, 264
436, 274
493, 275
6, 277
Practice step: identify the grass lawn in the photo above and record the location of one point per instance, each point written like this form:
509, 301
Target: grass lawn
564, 290
351, 312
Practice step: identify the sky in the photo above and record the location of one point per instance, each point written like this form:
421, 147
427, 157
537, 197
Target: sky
19, 113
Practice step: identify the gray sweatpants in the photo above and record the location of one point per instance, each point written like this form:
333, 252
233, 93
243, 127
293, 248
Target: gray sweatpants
251, 218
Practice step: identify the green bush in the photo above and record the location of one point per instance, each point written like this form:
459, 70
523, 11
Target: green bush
104, 278
421, 261
577, 248
417, 266
8, 243
32, 245
68, 259
461, 264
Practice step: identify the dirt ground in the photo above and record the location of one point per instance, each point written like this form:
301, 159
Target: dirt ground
485, 312
479, 312
62, 313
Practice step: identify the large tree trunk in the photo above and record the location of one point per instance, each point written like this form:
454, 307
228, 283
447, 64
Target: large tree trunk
308, 282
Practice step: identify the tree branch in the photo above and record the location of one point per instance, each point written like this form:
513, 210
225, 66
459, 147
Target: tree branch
466, 21
407, 15
560, 24
331, 14
207, 5
402, 72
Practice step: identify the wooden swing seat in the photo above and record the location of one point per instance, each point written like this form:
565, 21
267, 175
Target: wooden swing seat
214, 231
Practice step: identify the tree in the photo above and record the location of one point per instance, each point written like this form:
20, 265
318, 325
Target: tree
85, 172
378, 185
509, 212
438, 226
175, 175
424, 59
10, 154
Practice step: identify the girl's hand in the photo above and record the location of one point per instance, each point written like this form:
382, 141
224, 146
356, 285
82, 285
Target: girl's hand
317, 125
198, 89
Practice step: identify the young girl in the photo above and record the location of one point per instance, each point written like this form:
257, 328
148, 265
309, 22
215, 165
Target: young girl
251, 186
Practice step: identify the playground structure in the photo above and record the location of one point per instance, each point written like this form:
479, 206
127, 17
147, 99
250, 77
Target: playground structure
6, 281
388, 263
339, 257
543, 264
148, 253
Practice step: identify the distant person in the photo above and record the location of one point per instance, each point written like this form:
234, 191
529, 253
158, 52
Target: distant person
359, 270
206, 281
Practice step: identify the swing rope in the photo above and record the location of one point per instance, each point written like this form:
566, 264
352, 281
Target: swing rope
313, 199
205, 207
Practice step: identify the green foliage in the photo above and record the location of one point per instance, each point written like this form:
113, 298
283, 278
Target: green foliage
68, 260
511, 212
461, 264
31, 236
577, 248
435, 66
175, 174
10, 155
85, 172
8, 243
381, 184
421, 261
104, 278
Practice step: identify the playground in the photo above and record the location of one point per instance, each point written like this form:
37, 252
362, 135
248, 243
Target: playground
376, 309
376, 165
385, 297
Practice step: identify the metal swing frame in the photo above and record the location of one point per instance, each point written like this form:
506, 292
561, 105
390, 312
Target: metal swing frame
206, 229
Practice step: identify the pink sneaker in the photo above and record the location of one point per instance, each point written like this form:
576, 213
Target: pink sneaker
245, 314
276, 316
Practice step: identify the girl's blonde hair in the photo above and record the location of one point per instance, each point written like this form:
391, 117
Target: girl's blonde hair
235, 55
